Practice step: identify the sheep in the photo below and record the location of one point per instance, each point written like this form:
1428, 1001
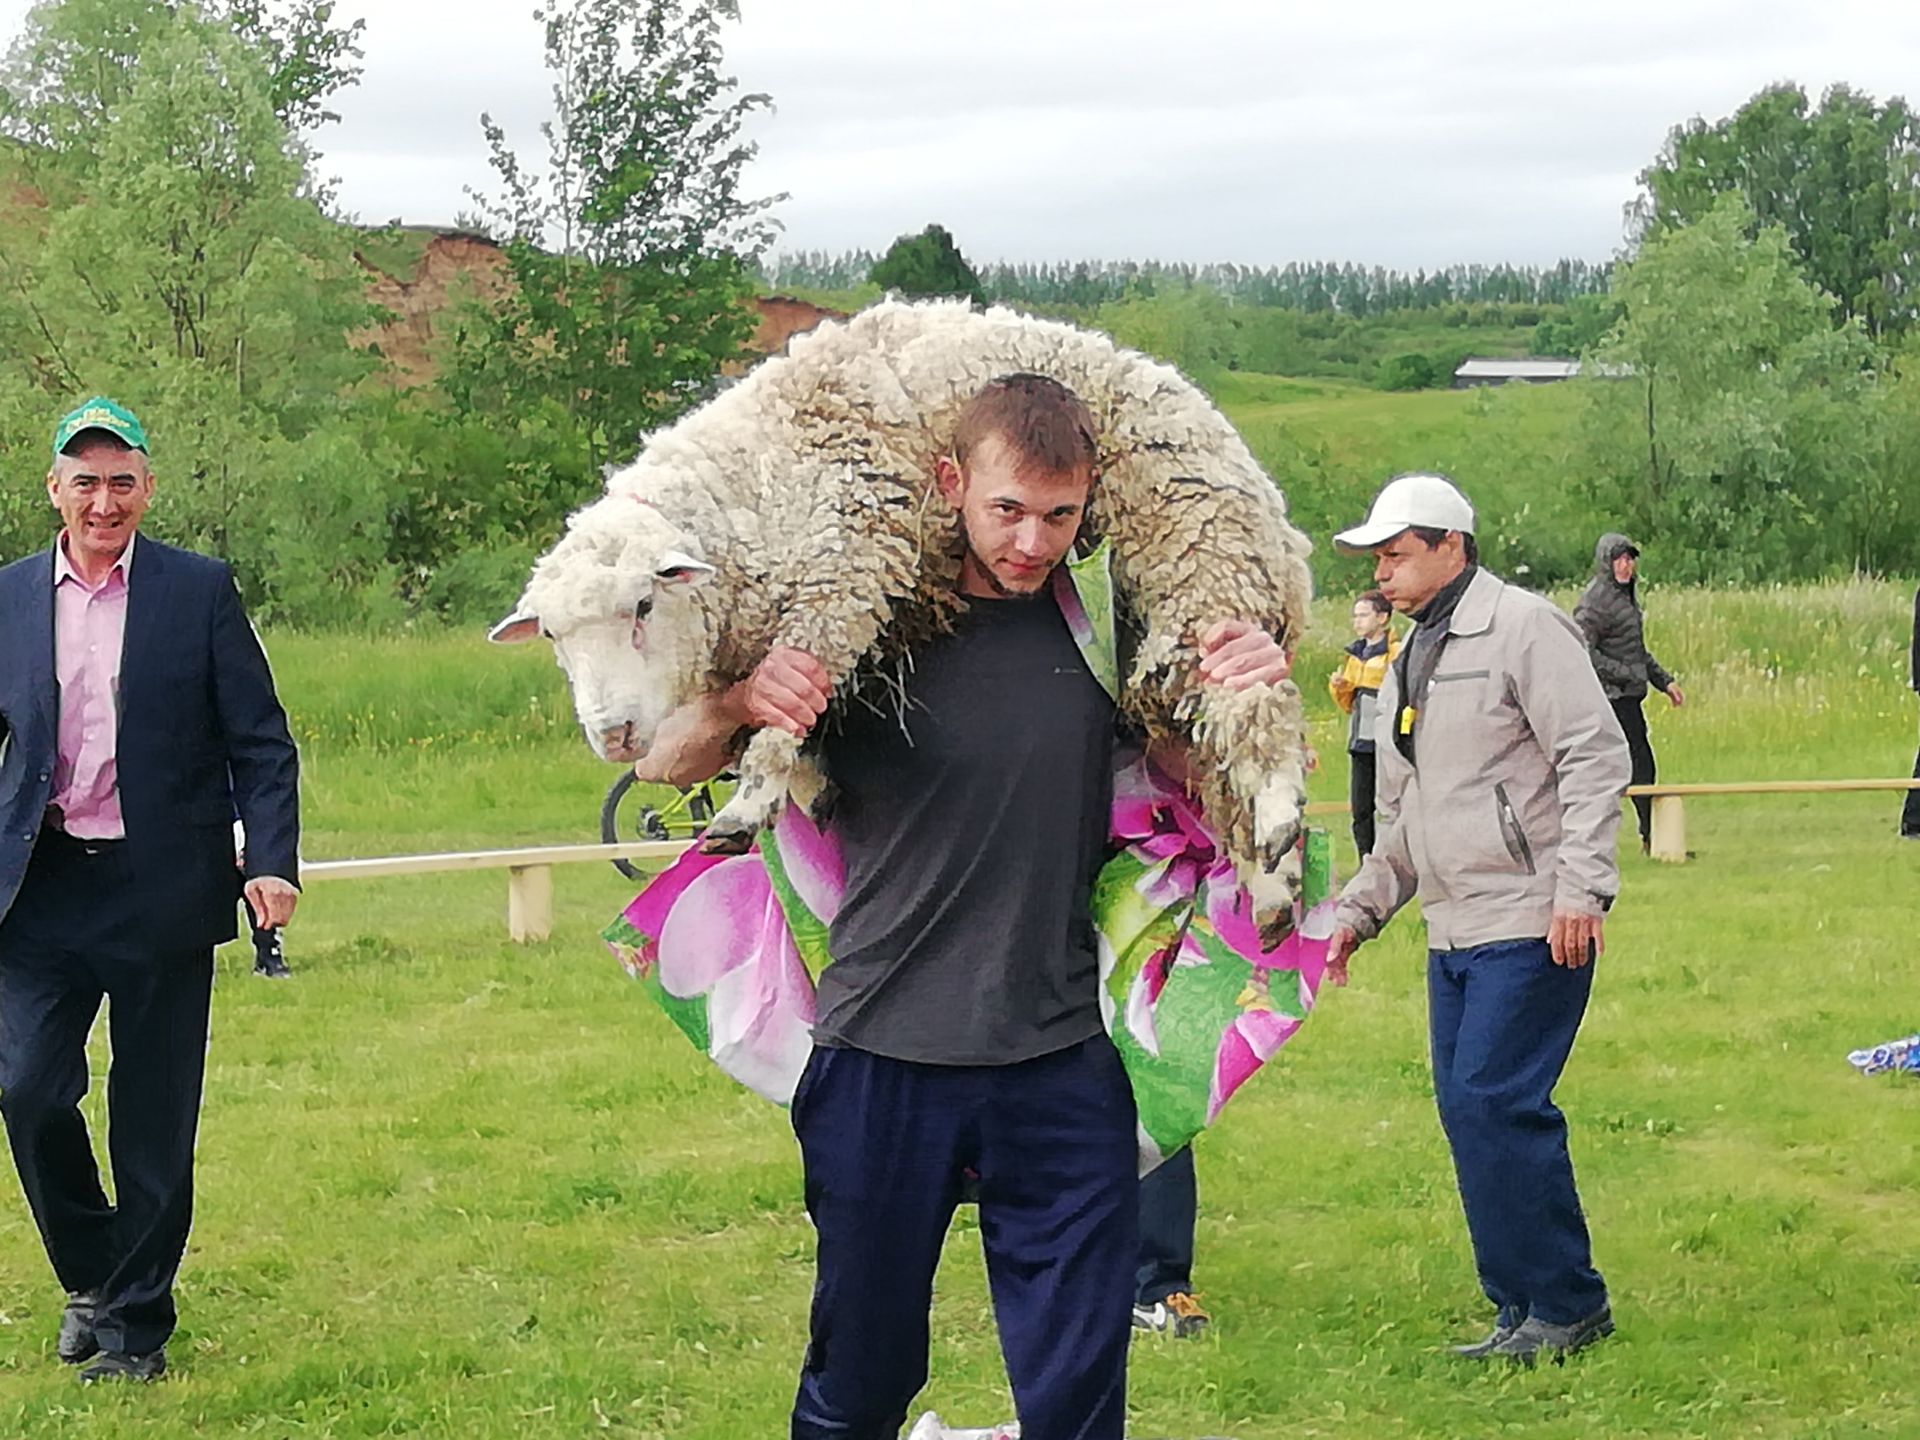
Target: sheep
799, 508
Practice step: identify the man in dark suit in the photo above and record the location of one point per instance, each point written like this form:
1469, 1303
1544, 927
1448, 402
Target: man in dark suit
137, 718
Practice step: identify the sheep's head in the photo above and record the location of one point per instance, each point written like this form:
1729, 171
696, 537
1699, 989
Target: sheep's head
615, 596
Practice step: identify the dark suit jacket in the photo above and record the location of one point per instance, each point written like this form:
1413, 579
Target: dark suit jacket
201, 739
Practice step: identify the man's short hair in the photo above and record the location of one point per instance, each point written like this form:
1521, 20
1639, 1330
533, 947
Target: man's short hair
1431, 538
1041, 421
1374, 600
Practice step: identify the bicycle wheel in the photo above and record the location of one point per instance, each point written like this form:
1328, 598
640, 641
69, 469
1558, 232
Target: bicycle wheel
689, 816
647, 821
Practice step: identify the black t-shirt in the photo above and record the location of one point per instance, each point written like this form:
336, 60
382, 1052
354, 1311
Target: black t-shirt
973, 819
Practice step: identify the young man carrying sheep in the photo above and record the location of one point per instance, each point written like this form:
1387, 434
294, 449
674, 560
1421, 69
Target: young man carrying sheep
1501, 771
959, 1024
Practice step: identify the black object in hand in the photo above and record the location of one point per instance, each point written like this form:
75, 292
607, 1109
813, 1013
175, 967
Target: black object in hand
269, 956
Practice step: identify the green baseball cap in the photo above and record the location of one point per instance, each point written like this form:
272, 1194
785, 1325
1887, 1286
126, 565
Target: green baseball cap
99, 413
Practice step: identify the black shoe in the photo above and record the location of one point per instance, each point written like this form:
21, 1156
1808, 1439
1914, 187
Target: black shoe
77, 1342
111, 1365
269, 956
1535, 1338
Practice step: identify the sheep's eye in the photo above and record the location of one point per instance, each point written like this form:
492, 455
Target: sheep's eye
643, 608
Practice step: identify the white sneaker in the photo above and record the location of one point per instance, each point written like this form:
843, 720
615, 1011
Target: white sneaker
930, 1427
1179, 1315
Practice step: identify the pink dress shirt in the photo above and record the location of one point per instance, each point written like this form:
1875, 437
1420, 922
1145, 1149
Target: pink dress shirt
89, 628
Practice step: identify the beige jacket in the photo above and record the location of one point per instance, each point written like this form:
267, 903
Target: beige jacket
1512, 809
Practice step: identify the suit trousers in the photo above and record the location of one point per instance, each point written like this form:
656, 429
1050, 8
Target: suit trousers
1503, 1018
64, 946
884, 1144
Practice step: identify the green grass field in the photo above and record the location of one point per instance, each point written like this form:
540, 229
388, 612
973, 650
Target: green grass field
1332, 444
452, 1187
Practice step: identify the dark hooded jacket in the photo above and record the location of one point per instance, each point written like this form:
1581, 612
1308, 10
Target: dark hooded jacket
1913, 660
1609, 616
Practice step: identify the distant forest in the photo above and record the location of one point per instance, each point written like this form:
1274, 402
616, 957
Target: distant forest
1346, 288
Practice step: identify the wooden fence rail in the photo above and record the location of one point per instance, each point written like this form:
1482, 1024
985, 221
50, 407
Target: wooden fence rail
530, 869
529, 873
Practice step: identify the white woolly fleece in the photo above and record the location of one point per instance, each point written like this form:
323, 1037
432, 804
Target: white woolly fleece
810, 486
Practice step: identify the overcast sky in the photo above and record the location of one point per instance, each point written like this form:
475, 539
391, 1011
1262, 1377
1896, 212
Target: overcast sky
1399, 132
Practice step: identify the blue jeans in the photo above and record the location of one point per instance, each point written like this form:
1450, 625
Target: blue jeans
1502, 1020
1169, 1205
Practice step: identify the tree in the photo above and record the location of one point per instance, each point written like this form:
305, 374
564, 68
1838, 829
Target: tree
1190, 327
72, 66
927, 264
1412, 371
631, 252
1587, 321
1842, 181
1735, 418
189, 276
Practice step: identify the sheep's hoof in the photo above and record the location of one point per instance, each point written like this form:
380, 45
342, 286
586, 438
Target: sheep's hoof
1275, 928
726, 840
1274, 853
820, 808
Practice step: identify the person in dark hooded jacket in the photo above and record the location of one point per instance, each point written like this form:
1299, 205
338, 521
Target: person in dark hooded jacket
1609, 615
1910, 812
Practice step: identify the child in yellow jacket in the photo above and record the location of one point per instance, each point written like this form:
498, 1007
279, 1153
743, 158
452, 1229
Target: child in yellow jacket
1356, 688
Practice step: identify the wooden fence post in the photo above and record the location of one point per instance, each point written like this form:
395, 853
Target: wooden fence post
1669, 840
529, 902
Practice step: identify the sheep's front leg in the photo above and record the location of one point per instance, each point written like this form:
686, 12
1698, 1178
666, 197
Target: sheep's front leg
768, 766
1257, 741
835, 614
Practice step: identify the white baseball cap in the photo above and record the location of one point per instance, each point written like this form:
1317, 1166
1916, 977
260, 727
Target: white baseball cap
1429, 501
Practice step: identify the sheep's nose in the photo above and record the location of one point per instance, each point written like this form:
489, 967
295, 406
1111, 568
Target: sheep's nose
617, 741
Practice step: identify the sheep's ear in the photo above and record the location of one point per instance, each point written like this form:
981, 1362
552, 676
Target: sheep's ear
516, 629
679, 568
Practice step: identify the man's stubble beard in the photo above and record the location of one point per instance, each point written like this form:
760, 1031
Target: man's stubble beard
1000, 589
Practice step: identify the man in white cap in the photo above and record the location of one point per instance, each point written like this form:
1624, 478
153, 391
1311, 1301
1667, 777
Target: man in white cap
1501, 767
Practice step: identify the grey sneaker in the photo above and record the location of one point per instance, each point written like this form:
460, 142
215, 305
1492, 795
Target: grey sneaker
1535, 1337
110, 1365
1482, 1348
77, 1344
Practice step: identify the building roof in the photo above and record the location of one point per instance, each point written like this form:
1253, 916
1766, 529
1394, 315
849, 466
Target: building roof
1544, 367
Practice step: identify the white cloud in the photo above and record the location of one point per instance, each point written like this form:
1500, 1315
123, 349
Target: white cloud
1383, 131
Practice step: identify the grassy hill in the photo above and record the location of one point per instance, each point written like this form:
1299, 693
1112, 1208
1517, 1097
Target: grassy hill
1202, 332
1331, 444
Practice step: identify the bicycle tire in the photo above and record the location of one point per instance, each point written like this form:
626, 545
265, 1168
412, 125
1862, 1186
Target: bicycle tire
650, 824
610, 820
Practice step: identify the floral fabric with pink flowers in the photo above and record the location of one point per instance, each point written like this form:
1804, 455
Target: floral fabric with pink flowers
729, 946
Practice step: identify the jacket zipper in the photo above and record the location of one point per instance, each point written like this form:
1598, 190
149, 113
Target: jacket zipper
1511, 832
